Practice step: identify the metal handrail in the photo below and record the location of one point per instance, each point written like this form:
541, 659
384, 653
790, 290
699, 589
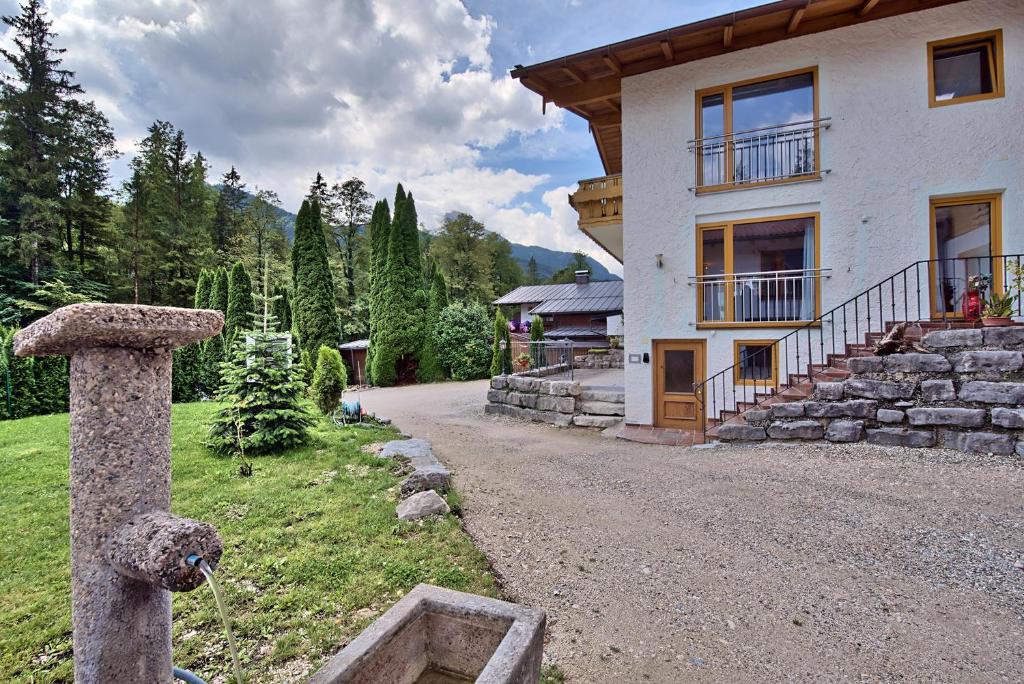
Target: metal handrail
824, 122
817, 343
723, 277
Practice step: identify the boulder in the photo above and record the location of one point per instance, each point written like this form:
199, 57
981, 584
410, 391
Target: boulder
905, 437
865, 364
855, 408
845, 431
757, 415
422, 505
737, 432
878, 389
992, 392
942, 339
938, 390
889, 416
798, 429
434, 477
942, 415
497, 396
499, 382
916, 363
562, 388
980, 442
982, 361
1008, 418
828, 391
1005, 337
792, 409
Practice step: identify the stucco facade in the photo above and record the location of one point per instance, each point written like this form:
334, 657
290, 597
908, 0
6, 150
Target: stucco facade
887, 155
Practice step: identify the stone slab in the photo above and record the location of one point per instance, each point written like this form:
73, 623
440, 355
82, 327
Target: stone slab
828, 391
797, 429
845, 431
865, 364
938, 390
916, 363
986, 360
596, 421
980, 442
889, 436
878, 389
1005, 337
943, 339
943, 415
890, 416
986, 392
603, 408
737, 432
854, 408
792, 409
1012, 418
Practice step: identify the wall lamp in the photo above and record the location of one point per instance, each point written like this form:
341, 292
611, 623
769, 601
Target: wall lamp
658, 259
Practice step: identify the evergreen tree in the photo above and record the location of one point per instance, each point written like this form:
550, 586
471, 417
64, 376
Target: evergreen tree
187, 373
313, 306
537, 353
240, 304
228, 211
501, 350
329, 380
537, 329
430, 369
219, 291
282, 309
532, 272
353, 200
567, 274
380, 231
202, 296
51, 384
462, 339
22, 379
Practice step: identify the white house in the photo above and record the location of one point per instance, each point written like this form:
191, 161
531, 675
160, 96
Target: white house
783, 161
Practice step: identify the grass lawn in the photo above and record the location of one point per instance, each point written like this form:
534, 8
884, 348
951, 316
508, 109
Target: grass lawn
313, 551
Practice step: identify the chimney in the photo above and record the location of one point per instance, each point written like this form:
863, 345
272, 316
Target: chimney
583, 277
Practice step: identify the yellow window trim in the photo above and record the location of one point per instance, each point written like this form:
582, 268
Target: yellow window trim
726, 91
771, 380
995, 202
991, 39
727, 227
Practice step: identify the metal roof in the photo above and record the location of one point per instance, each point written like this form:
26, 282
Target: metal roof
570, 298
355, 344
574, 331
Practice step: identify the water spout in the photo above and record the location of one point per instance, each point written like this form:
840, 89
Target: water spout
204, 567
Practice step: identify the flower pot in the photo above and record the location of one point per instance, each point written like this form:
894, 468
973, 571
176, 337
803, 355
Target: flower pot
996, 321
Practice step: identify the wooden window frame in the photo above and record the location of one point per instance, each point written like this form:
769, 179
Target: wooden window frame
995, 202
726, 91
995, 65
769, 381
727, 227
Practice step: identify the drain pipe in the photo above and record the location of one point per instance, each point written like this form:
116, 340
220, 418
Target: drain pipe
127, 551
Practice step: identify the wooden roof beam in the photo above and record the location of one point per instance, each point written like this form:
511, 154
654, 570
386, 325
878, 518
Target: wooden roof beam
727, 35
613, 63
574, 73
606, 120
794, 19
584, 93
866, 7
666, 49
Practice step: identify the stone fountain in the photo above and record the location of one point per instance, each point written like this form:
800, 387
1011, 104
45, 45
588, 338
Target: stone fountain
128, 552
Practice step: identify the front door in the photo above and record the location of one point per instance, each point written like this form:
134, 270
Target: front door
678, 369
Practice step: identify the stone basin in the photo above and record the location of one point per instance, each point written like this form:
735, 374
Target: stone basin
440, 636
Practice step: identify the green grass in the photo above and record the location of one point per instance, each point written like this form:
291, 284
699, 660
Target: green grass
312, 550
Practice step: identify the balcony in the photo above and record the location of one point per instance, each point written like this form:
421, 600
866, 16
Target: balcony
760, 156
598, 201
765, 298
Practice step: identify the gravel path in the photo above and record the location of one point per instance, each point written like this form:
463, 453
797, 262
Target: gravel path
768, 563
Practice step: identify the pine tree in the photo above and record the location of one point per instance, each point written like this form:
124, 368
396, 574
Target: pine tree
313, 306
240, 304
430, 368
202, 296
501, 351
329, 380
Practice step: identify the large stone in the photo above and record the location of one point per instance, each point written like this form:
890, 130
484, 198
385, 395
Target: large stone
757, 415
982, 361
901, 437
943, 339
938, 390
855, 408
523, 399
889, 416
1005, 337
603, 408
980, 442
845, 431
546, 402
499, 382
792, 409
737, 432
942, 415
878, 389
993, 392
798, 429
549, 417
828, 391
616, 396
596, 421
916, 363
522, 383
864, 364
422, 505
1012, 418
496, 396
562, 388
435, 477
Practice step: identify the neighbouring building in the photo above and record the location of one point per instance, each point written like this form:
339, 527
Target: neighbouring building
579, 311
354, 355
800, 176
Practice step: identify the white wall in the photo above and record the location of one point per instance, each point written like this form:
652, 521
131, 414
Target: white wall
888, 153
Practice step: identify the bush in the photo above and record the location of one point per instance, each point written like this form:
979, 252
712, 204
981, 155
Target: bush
20, 373
329, 380
501, 355
52, 384
462, 339
187, 373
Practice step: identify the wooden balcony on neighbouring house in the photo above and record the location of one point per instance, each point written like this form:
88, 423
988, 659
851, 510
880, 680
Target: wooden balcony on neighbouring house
598, 201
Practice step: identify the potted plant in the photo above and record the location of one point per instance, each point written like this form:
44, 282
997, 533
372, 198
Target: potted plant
998, 310
523, 361
974, 296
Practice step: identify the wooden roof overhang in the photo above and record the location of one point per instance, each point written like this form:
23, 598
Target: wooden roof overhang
589, 83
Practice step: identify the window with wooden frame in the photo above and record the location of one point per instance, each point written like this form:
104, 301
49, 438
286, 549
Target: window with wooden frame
758, 272
965, 69
965, 233
760, 131
756, 362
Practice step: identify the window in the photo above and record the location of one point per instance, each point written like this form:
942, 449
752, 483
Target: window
759, 131
965, 234
755, 362
965, 69
758, 272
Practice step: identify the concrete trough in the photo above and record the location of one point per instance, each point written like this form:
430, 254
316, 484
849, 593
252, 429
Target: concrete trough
440, 636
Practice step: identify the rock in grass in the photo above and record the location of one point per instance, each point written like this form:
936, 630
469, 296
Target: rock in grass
422, 505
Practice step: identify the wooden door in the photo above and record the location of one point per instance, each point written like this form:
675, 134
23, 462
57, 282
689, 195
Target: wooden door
678, 369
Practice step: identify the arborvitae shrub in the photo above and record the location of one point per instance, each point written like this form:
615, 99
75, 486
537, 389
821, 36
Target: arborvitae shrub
463, 341
187, 382
203, 286
501, 358
51, 384
329, 380
240, 304
219, 291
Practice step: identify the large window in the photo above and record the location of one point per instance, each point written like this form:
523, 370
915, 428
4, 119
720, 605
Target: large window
758, 272
759, 131
755, 362
965, 69
965, 234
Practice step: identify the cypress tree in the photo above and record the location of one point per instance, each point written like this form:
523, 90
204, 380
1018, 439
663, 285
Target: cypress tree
380, 229
501, 354
282, 309
539, 358
430, 369
314, 304
240, 304
219, 291
202, 297
329, 380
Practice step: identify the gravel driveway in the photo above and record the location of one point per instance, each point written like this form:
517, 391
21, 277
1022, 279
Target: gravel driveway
767, 563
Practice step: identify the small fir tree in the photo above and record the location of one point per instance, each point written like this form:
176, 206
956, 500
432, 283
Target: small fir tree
501, 352
240, 303
329, 380
537, 329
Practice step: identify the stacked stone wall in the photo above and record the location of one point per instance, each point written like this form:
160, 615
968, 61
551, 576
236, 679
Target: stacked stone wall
612, 358
556, 402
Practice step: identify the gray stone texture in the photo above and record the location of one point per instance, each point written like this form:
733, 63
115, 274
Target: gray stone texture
941, 415
422, 505
596, 421
758, 415
980, 442
845, 431
865, 364
497, 396
828, 391
427, 471
938, 390
890, 416
153, 548
943, 339
435, 477
855, 408
1005, 337
798, 429
1012, 418
878, 389
992, 392
906, 437
521, 383
499, 382
546, 402
792, 409
988, 361
562, 388
737, 432
916, 363
617, 396
603, 408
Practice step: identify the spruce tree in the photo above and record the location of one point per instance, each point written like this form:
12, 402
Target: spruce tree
240, 304
430, 369
501, 351
202, 296
187, 373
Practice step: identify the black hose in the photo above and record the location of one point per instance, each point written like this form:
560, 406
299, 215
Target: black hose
186, 676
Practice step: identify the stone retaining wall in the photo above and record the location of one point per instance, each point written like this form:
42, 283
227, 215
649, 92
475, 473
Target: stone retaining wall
613, 358
966, 395
557, 402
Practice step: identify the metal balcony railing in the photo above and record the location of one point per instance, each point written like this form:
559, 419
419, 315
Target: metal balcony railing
759, 155
759, 296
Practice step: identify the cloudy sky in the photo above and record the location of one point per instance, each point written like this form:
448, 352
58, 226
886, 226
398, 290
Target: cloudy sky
415, 91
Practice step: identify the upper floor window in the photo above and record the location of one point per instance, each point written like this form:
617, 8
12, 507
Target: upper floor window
965, 69
759, 131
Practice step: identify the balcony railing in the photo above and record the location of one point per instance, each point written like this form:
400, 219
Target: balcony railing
759, 296
598, 201
758, 156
